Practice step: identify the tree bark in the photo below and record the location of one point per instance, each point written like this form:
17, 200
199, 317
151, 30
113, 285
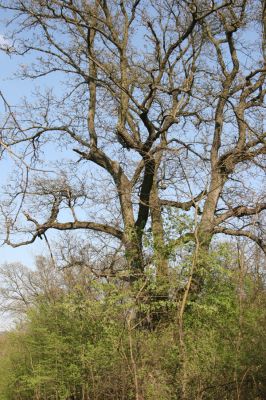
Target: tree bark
160, 251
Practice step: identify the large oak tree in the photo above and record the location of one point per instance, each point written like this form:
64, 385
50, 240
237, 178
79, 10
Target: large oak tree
155, 105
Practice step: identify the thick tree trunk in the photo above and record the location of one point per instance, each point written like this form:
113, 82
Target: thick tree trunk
134, 252
205, 230
132, 239
160, 251
206, 225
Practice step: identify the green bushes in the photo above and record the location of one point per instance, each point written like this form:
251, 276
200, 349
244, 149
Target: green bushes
94, 344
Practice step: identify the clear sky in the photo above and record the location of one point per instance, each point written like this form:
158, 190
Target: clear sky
13, 89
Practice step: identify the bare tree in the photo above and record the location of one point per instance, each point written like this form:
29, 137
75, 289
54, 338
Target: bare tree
21, 287
161, 105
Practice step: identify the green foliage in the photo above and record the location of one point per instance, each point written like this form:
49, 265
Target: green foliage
112, 341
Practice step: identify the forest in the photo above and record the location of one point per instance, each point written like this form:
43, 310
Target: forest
133, 163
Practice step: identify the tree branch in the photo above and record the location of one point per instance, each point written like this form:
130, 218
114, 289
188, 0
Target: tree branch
240, 211
185, 205
240, 232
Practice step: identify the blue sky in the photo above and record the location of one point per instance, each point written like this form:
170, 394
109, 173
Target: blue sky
13, 89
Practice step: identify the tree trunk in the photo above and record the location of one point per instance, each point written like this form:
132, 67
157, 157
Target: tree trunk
160, 251
132, 239
134, 252
205, 231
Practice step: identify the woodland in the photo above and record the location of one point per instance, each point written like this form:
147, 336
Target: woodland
137, 158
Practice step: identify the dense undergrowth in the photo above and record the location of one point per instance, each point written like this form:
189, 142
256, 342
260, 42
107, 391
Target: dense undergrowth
100, 340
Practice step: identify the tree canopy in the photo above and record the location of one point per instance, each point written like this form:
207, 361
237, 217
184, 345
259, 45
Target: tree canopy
154, 105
